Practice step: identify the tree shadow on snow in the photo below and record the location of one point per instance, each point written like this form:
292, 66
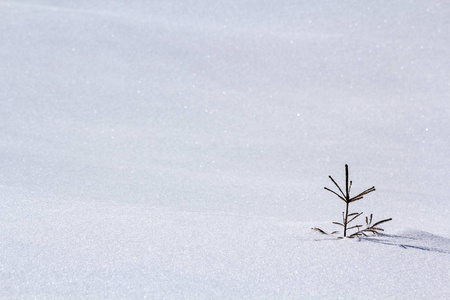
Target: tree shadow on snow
413, 239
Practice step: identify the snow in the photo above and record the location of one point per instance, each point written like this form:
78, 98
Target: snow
179, 149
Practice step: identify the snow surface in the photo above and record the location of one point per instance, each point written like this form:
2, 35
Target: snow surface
179, 149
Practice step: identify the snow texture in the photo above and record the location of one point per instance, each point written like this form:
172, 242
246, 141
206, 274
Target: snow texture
179, 148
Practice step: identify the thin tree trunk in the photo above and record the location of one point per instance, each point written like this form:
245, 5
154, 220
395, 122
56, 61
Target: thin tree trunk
347, 200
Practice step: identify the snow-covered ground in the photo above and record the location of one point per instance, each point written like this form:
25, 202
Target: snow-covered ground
179, 149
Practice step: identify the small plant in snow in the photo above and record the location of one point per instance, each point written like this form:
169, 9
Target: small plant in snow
347, 217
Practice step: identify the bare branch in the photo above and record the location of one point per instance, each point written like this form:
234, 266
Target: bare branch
376, 228
335, 194
319, 230
346, 182
355, 199
337, 186
369, 190
354, 217
382, 221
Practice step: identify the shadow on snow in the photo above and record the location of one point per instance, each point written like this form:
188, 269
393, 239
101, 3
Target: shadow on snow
414, 239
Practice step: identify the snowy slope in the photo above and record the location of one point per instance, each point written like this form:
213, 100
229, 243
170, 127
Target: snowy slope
180, 149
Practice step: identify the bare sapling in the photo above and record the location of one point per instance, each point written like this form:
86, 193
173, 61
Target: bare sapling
349, 230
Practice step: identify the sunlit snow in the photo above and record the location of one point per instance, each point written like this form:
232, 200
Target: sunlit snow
179, 149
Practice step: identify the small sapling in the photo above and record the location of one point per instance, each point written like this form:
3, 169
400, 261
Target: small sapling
350, 230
